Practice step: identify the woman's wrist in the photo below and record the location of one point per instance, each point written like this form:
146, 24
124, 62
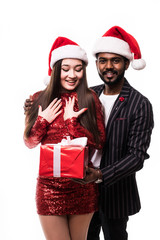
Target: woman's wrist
72, 121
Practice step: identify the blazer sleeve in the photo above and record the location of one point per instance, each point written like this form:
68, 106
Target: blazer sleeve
75, 129
138, 141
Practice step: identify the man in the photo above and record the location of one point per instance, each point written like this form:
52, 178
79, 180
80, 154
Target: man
129, 124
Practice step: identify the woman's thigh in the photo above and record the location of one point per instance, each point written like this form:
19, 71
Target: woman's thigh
78, 226
55, 227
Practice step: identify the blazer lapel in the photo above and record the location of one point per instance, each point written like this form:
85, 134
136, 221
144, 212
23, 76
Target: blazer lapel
119, 104
98, 89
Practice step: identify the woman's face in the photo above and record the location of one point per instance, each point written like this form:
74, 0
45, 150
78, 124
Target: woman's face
71, 73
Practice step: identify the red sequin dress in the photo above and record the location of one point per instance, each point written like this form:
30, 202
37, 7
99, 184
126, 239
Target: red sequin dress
61, 196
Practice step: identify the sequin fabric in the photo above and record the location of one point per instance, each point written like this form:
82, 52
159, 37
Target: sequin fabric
61, 196
64, 197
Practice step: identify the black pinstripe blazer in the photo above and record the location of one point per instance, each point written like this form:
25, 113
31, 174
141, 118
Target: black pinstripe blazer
128, 134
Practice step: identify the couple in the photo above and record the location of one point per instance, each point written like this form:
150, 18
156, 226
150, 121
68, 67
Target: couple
68, 107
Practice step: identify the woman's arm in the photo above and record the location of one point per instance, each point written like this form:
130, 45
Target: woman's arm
43, 120
38, 131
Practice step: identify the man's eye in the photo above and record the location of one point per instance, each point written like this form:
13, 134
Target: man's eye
101, 61
116, 60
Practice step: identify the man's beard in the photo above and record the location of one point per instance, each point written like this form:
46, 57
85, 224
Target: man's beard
117, 80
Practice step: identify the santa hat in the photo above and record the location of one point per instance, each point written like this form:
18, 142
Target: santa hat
117, 40
65, 48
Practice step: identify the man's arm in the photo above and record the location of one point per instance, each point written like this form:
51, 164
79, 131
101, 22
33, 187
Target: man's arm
137, 144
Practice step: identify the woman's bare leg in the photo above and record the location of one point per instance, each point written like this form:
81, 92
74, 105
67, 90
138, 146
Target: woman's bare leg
78, 226
55, 227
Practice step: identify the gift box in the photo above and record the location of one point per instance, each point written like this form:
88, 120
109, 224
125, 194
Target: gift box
64, 159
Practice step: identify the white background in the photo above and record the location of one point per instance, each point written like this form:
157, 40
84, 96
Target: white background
27, 31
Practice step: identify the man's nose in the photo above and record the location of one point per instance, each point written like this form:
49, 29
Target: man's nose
109, 65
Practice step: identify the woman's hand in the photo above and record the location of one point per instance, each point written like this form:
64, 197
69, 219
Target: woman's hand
52, 111
69, 109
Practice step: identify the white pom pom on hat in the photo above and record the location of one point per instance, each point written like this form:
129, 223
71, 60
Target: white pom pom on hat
117, 40
46, 80
138, 64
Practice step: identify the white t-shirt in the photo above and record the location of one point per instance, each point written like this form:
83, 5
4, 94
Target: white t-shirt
107, 103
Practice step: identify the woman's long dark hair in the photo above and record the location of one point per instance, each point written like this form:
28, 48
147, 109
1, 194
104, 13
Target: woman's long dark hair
53, 90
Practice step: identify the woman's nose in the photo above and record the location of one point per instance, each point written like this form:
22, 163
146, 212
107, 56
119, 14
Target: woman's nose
72, 74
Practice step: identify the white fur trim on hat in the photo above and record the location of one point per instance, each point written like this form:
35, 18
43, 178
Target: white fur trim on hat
68, 51
112, 45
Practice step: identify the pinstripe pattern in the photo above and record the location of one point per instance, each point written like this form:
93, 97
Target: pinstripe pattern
128, 134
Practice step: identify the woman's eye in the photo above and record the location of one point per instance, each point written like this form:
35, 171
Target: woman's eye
79, 69
65, 70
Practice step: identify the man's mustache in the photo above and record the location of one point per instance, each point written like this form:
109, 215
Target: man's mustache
109, 71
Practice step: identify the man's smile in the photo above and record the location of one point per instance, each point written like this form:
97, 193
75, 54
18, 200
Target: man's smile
109, 74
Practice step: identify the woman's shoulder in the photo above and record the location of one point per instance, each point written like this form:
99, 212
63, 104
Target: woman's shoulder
36, 95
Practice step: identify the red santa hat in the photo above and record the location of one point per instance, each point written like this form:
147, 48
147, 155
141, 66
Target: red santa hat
117, 40
65, 48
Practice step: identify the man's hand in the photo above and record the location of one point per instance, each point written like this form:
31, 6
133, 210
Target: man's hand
28, 104
91, 176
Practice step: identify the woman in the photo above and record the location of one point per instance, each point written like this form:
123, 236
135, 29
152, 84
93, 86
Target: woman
65, 108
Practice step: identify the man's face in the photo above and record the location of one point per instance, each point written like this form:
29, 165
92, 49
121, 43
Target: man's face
111, 67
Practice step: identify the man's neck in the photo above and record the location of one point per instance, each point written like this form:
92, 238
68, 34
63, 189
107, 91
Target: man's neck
113, 89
